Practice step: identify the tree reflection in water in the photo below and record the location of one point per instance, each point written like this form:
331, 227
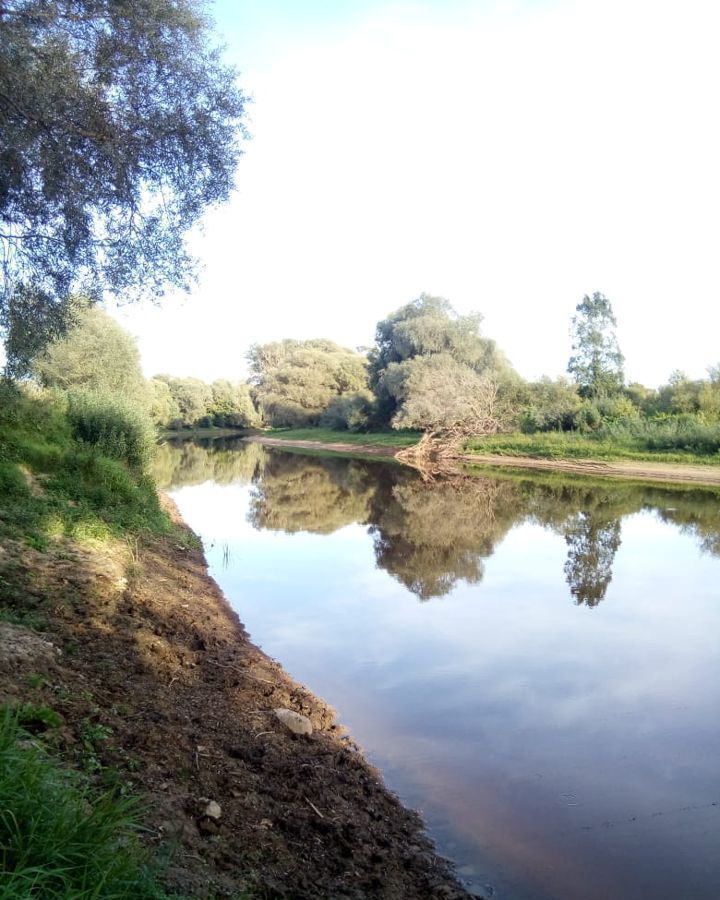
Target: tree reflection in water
300, 493
592, 546
180, 463
430, 536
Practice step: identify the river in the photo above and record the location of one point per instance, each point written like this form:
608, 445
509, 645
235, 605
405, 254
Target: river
533, 663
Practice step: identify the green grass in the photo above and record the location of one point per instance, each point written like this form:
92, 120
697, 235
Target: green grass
395, 439
51, 483
663, 442
570, 445
60, 839
560, 478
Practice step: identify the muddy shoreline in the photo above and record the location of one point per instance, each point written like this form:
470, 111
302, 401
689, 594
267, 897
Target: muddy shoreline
141, 650
673, 473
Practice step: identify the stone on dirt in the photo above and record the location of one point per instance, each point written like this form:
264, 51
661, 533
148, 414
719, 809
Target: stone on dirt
296, 722
212, 810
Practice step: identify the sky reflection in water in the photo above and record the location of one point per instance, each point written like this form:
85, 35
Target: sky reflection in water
534, 664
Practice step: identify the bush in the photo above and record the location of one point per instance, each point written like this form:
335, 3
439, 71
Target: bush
547, 405
681, 432
348, 412
12, 483
589, 418
115, 427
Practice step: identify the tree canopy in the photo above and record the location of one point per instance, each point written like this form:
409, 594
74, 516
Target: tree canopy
119, 126
296, 381
431, 368
439, 394
596, 365
178, 402
95, 354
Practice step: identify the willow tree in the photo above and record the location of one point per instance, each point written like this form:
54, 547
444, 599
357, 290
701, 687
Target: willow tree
95, 354
433, 371
446, 400
427, 327
295, 382
119, 126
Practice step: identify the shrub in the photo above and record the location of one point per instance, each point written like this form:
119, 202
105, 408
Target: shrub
12, 483
115, 427
348, 412
589, 418
547, 405
682, 432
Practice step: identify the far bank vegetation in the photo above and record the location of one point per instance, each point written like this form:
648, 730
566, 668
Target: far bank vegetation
430, 371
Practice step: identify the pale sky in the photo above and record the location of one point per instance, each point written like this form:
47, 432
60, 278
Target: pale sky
510, 156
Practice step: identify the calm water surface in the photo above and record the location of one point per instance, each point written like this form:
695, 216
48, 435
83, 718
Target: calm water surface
533, 664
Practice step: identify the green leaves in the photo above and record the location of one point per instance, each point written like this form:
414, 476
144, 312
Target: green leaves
297, 381
432, 370
119, 126
596, 365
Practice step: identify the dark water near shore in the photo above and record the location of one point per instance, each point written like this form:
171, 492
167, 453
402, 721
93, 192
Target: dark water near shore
533, 663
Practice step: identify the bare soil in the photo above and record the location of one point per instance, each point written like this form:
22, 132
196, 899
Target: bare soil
677, 473
335, 446
157, 682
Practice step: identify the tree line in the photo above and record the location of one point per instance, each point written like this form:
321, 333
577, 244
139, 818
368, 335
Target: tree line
433, 370
430, 369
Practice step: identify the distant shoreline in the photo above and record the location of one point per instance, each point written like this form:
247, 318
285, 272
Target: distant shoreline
641, 470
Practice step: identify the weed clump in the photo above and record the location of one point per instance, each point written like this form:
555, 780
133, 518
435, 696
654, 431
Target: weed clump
117, 428
58, 838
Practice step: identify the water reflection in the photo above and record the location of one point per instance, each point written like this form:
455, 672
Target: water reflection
179, 463
429, 536
592, 545
554, 714
298, 493
432, 536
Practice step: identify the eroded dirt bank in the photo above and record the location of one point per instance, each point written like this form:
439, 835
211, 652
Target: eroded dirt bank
158, 684
675, 473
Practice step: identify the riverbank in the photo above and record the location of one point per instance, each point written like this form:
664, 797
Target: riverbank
201, 433
159, 691
638, 470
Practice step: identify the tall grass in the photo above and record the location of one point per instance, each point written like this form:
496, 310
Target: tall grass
116, 427
82, 477
681, 432
669, 439
58, 839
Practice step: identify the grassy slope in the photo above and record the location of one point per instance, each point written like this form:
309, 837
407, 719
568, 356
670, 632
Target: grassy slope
51, 484
58, 837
